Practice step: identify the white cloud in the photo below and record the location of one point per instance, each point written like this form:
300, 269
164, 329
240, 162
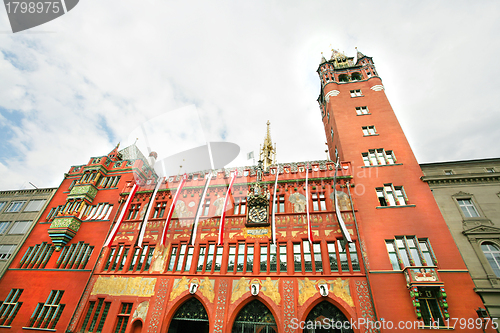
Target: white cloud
111, 65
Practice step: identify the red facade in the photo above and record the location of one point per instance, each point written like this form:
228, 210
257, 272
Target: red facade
381, 257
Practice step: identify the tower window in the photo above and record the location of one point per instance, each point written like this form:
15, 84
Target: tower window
369, 130
355, 93
343, 78
390, 195
361, 110
409, 251
375, 157
356, 76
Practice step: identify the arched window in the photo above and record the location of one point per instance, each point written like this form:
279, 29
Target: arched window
190, 317
325, 315
343, 78
356, 76
255, 317
492, 253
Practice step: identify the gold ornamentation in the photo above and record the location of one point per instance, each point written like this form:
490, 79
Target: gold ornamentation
342, 291
241, 287
207, 289
124, 286
307, 289
179, 288
256, 232
271, 290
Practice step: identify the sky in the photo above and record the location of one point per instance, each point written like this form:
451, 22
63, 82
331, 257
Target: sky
196, 71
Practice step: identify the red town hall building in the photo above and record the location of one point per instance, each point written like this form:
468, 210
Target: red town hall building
305, 246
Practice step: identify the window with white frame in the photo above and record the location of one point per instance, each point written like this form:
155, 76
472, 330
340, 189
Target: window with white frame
6, 250
468, 208
369, 130
20, 227
34, 205
489, 170
15, 206
492, 254
361, 110
375, 157
448, 172
3, 227
391, 195
2, 205
409, 251
356, 93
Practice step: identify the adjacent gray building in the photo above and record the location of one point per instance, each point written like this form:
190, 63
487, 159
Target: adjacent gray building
468, 195
19, 210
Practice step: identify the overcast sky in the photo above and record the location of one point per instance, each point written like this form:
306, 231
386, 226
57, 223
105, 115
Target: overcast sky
218, 70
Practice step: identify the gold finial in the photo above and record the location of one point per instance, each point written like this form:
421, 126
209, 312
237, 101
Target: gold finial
268, 152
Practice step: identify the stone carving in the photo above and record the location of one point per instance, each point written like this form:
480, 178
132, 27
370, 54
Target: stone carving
343, 200
307, 289
181, 286
159, 258
299, 202
141, 311
341, 289
242, 286
207, 289
270, 289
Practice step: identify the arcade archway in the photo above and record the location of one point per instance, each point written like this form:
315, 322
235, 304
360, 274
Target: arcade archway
190, 317
326, 318
254, 317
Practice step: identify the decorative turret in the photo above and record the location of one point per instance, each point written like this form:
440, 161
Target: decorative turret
267, 151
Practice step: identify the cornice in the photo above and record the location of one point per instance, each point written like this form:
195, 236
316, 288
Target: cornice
462, 178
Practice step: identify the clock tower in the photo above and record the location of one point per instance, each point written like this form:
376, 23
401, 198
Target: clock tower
401, 228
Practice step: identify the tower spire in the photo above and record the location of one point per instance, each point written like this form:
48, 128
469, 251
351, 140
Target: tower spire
268, 152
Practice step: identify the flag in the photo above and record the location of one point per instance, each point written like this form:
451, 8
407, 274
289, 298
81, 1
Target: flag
172, 207
340, 219
148, 210
223, 215
112, 235
250, 155
200, 209
309, 229
273, 221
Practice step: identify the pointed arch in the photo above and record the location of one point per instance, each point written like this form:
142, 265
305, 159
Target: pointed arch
189, 315
255, 314
327, 317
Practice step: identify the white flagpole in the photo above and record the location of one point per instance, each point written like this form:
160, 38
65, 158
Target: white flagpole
309, 229
120, 218
273, 227
148, 211
223, 215
200, 208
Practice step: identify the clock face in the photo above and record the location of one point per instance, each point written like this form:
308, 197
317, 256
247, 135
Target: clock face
257, 215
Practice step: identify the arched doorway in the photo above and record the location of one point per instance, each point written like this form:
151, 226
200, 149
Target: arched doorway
190, 317
326, 318
255, 317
